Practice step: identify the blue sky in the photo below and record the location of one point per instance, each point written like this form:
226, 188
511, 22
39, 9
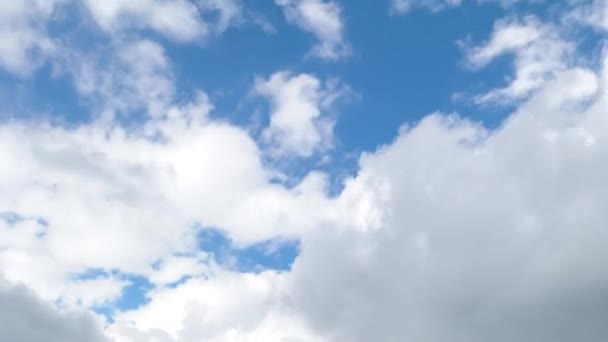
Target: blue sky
388, 79
306, 170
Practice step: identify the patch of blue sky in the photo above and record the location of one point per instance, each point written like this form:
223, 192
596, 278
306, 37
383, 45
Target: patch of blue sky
277, 255
132, 296
45, 97
12, 218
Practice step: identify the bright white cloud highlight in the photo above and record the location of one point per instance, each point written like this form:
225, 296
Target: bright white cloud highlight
298, 125
141, 193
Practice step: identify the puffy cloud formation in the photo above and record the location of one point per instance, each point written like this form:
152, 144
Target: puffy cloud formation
480, 235
25, 318
477, 235
486, 235
323, 19
227, 307
297, 124
180, 20
142, 192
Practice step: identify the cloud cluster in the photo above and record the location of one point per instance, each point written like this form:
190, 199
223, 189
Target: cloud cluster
141, 192
228, 307
297, 124
477, 235
25, 318
486, 236
452, 231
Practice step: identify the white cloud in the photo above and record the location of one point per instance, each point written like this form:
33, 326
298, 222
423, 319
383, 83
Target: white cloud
180, 20
539, 54
25, 318
406, 6
139, 193
24, 44
323, 19
593, 13
228, 307
176, 19
298, 125
131, 76
477, 235
176, 268
486, 236
508, 36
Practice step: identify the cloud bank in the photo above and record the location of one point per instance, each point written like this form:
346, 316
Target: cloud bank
452, 231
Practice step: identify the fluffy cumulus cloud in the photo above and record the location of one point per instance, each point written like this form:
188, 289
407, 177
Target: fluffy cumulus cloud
323, 19
141, 193
25, 318
297, 124
476, 235
133, 75
180, 20
214, 310
486, 236
24, 25
450, 232
176, 19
